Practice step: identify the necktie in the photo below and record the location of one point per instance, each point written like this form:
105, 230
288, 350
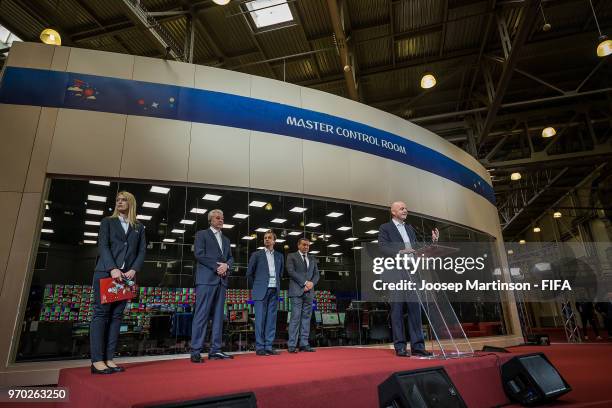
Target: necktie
305, 262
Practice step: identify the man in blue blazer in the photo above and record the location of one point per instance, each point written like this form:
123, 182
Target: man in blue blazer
398, 237
214, 263
264, 273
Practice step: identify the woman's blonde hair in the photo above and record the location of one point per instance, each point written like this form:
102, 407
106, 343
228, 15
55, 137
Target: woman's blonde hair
132, 207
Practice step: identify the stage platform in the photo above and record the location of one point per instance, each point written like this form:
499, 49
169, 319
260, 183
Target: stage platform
331, 377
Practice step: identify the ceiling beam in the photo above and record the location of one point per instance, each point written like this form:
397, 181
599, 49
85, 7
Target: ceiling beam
345, 59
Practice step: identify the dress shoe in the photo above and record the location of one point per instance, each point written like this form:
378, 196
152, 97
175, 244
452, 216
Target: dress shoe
261, 353
292, 350
308, 349
220, 356
196, 358
421, 353
94, 370
272, 353
402, 353
117, 369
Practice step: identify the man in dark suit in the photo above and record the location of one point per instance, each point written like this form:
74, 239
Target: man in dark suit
304, 273
397, 237
264, 273
214, 259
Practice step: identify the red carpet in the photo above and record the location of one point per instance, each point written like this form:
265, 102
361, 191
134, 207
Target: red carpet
338, 377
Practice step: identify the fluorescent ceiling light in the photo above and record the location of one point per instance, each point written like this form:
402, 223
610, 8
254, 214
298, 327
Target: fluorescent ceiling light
278, 220
228, 226
351, 239
261, 247
211, 197
337, 254
94, 212
367, 219
257, 204
160, 190
269, 12
148, 204
198, 210
334, 214
324, 236
248, 237
313, 224
233, 245
187, 222
100, 183
356, 247
143, 217
169, 240
298, 209
280, 240
375, 241
343, 228
295, 233
100, 199
262, 229
241, 216
373, 231
333, 245
90, 234
92, 222
89, 241
178, 231
313, 252
46, 231
47, 219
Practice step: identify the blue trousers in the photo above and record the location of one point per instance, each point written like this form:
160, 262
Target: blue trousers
105, 324
415, 328
301, 311
210, 300
265, 320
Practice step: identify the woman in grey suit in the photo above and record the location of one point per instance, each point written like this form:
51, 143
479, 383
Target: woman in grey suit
121, 245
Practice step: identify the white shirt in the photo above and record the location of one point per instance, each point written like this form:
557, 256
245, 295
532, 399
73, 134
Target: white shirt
271, 267
401, 227
307, 261
217, 236
124, 223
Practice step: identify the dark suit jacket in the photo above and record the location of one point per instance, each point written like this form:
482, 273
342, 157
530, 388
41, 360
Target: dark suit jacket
117, 248
258, 272
298, 273
390, 240
208, 253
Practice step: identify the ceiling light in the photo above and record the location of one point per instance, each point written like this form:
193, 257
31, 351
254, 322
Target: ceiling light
549, 131
268, 12
337, 254
428, 80
257, 204
262, 229
169, 240
47, 219
278, 220
334, 214
160, 190
295, 233
298, 209
260, 247
233, 245
178, 231
324, 236
605, 46
248, 237
536, 229
97, 198
515, 176
373, 231
313, 252
143, 217
198, 210
557, 214
375, 241
50, 36
343, 228
46, 231
522, 242
211, 197
89, 241
92, 222
187, 222
367, 219
221, 2
356, 247
351, 239
148, 204
228, 226
94, 212
268, 206
313, 224
90, 234
510, 252
100, 183
241, 216
333, 245
280, 240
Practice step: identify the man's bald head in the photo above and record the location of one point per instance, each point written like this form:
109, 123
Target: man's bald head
399, 210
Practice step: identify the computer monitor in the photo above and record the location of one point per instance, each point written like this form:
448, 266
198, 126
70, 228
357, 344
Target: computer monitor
341, 317
330, 319
123, 328
318, 317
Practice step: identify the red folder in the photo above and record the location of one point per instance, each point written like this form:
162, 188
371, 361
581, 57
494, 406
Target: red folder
115, 291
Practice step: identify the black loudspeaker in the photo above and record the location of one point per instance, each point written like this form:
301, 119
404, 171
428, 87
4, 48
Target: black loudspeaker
493, 349
538, 340
245, 400
531, 380
426, 388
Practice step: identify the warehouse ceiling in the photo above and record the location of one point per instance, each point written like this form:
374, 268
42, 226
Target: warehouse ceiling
505, 70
